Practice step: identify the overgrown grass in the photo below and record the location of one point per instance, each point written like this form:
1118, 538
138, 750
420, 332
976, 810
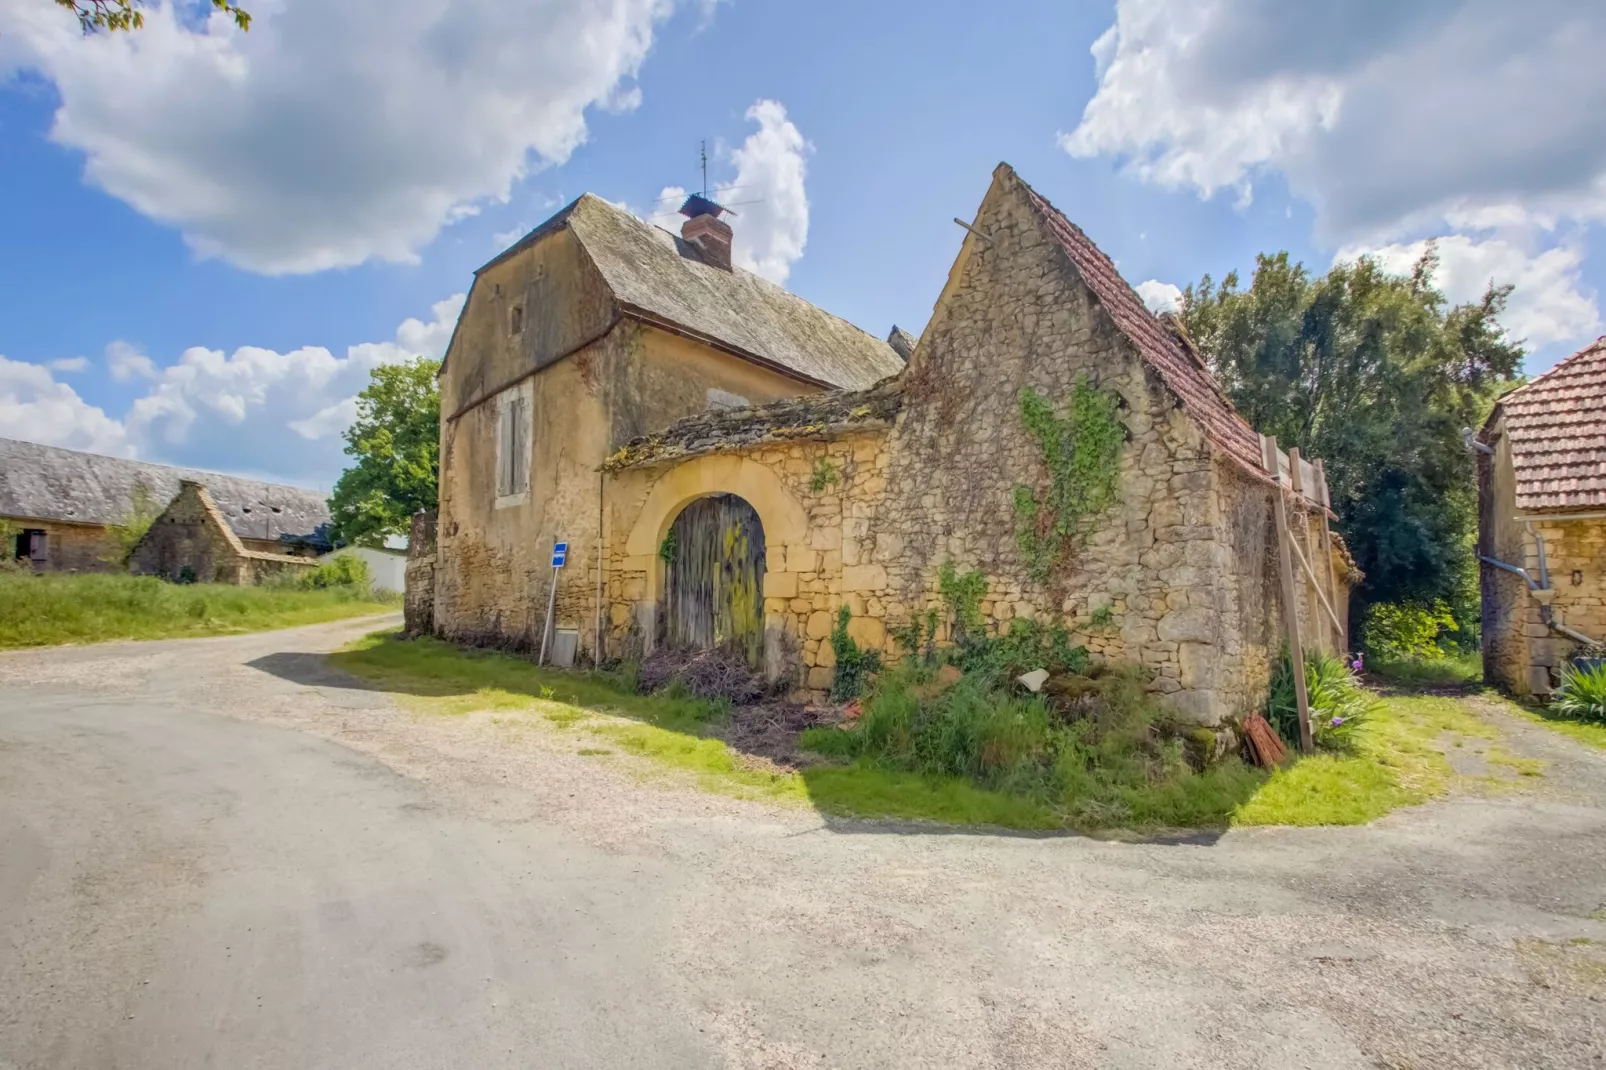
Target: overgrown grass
51, 609
979, 763
1458, 671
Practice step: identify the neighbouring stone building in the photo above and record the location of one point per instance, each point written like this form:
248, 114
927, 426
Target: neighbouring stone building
754, 524
1542, 524
192, 542
62, 502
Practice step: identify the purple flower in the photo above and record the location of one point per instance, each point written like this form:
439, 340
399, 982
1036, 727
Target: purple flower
1336, 721
1356, 664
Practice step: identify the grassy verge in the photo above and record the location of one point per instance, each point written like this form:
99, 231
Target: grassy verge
1458, 672
1396, 757
1593, 735
1395, 760
53, 609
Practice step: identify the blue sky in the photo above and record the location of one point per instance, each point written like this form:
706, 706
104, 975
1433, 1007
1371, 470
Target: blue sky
207, 240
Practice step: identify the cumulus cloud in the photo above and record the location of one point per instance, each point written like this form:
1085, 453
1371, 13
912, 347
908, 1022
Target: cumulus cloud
1390, 118
68, 364
252, 410
1550, 303
770, 169
1160, 296
33, 406
331, 133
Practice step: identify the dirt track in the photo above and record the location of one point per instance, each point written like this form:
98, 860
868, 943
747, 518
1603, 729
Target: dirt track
218, 852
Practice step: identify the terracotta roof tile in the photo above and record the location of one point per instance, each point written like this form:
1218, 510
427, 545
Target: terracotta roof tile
1557, 427
1181, 369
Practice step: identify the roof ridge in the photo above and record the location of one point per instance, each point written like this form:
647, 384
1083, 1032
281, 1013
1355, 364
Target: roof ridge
1598, 345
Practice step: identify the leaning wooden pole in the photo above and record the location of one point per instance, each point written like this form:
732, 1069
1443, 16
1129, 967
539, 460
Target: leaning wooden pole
1296, 650
1327, 554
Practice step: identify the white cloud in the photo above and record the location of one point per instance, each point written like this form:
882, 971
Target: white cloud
331, 133
68, 364
126, 363
1390, 118
769, 235
253, 410
1550, 302
33, 406
1160, 296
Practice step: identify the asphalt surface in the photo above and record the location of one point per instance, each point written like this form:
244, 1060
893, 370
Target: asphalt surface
221, 853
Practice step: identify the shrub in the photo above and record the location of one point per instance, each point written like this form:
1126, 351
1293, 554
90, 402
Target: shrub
342, 570
1582, 694
1407, 630
1027, 645
1338, 702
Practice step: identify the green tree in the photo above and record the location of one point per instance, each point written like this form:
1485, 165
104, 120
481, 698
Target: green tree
114, 15
1376, 374
396, 443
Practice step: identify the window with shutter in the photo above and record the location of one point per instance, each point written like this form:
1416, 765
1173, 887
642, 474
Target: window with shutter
513, 446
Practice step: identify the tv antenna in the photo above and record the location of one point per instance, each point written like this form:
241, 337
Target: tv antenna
703, 152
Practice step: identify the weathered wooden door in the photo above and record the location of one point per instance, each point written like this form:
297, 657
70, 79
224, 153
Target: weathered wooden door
714, 578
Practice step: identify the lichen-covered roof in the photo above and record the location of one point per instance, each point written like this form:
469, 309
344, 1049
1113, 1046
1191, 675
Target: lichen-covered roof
658, 276
902, 342
1557, 428
51, 483
1182, 372
724, 430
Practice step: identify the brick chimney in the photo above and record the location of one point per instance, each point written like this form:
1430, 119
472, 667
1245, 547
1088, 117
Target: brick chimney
704, 229
711, 235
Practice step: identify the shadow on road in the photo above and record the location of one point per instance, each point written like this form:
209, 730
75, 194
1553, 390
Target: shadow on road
469, 678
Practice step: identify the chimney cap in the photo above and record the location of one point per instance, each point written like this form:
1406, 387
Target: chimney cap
698, 205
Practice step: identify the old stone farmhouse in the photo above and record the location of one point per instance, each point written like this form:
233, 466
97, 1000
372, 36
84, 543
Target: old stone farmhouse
752, 523
1542, 523
222, 528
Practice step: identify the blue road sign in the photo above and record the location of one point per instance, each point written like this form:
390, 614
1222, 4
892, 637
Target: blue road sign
560, 553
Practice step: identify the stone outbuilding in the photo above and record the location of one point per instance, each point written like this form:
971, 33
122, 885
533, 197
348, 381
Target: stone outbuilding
752, 525
192, 542
62, 502
1542, 524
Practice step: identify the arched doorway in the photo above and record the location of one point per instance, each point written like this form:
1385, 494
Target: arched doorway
714, 578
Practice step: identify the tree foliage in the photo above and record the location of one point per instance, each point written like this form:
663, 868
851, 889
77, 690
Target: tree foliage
395, 441
1376, 374
94, 15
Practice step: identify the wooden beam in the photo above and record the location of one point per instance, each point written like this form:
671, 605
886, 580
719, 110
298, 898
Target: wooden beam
1297, 481
1327, 555
1296, 649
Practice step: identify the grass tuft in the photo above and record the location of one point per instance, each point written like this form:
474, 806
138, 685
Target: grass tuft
51, 609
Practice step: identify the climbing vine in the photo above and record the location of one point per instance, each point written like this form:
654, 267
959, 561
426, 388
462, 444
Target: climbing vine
854, 666
962, 594
669, 548
1082, 451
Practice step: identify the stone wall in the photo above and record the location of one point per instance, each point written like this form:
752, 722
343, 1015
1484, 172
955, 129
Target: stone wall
1180, 572
1528, 654
68, 547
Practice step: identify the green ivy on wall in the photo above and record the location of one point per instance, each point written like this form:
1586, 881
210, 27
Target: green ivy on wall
1082, 450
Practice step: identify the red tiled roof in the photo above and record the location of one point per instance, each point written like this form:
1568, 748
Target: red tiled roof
1557, 426
1182, 371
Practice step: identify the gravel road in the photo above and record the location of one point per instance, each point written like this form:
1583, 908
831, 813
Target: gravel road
220, 853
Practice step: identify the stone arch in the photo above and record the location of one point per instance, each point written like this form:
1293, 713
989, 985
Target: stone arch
785, 521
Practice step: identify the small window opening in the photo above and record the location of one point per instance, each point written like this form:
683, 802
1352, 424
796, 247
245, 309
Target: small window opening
518, 319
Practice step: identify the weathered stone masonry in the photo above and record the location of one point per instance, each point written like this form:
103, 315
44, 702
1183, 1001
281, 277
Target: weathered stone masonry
1184, 562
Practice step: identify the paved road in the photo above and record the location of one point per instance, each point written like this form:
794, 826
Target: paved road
220, 853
